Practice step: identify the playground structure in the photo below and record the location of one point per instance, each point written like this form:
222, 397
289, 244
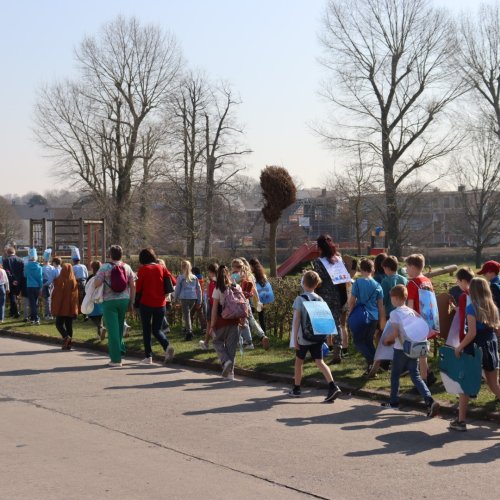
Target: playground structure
61, 234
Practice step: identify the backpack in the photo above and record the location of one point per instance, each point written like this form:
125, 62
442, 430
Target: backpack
307, 328
266, 294
235, 303
428, 307
412, 327
119, 279
359, 317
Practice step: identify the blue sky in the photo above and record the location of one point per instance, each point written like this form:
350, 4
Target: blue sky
267, 49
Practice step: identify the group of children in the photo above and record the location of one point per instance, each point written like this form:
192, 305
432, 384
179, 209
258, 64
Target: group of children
389, 302
396, 299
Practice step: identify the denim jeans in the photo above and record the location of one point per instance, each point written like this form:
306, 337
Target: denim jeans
46, 300
400, 363
33, 294
187, 306
152, 319
363, 341
2, 302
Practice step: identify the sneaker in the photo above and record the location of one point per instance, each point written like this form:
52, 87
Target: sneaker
227, 368
103, 333
265, 342
37, 322
68, 347
147, 361
114, 365
230, 376
390, 406
295, 392
65, 343
433, 409
203, 345
333, 393
169, 354
249, 347
455, 425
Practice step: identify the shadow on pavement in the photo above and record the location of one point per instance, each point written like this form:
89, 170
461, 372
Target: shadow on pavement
57, 369
163, 384
410, 443
375, 417
30, 353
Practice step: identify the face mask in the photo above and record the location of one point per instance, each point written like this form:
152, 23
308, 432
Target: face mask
236, 277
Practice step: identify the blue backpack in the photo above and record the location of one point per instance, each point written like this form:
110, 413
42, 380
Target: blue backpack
266, 294
359, 317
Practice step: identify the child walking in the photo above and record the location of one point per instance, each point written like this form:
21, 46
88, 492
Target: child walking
415, 264
482, 323
310, 281
400, 316
188, 292
212, 281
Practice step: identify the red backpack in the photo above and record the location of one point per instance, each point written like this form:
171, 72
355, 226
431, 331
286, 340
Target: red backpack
235, 303
119, 278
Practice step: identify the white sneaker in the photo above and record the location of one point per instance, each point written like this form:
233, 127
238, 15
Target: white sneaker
169, 354
227, 368
114, 365
203, 345
249, 347
147, 361
230, 376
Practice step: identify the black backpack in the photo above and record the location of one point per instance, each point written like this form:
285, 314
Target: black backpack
307, 329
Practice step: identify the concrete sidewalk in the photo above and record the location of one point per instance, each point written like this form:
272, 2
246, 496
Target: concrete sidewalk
72, 428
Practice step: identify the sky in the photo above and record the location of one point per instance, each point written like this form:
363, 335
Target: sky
267, 49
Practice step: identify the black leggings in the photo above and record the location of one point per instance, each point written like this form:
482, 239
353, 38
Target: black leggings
64, 325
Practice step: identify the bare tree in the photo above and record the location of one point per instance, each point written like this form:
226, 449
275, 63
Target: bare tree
10, 224
94, 127
478, 58
222, 152
479, 178
279, 192
352, 190
392, 65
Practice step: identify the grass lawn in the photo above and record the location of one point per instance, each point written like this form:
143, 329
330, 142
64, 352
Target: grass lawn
279, 359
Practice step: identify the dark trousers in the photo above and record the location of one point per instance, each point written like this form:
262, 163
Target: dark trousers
33, 294
363, 341
262, 320
14, 292
64, 325
152, 319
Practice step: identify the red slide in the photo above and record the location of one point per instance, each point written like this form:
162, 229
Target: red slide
307, 251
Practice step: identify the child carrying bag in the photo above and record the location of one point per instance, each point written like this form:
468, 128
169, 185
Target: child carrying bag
318, 322
359, 317
413, 332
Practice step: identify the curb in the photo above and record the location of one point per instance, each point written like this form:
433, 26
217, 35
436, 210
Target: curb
371, 394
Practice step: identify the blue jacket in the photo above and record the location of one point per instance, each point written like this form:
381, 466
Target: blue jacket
188, 290
33, 274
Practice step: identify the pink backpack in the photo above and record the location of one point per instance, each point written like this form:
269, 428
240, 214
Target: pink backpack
235, 303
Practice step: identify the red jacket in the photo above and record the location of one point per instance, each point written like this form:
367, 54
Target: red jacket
150, 284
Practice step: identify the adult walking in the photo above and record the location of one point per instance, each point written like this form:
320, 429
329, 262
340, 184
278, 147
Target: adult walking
117, 278
64, 303
14, 267
150, 298
334, 295
34, 280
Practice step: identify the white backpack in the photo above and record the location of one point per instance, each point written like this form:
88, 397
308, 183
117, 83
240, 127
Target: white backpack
413, 333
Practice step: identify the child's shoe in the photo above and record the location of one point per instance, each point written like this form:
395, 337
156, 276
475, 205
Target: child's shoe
390, 406
333, 393
295, 392
456, 425
203, 345
227, 368
169, 354
433, 408
265, 342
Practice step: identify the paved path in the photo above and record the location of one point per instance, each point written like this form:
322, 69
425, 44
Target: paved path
71, 428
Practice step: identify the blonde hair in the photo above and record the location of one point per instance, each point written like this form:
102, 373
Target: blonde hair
246, 270
186, 270
482, 300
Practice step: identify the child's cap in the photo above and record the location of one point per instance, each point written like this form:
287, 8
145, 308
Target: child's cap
75, 253
46, 254
491, 266
32, 253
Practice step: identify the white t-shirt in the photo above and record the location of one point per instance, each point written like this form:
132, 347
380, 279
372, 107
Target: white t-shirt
218, 295
406, 316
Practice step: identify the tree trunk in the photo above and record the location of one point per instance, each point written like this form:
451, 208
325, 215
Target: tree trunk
392, 215
273, 229
210, 191
478, 256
